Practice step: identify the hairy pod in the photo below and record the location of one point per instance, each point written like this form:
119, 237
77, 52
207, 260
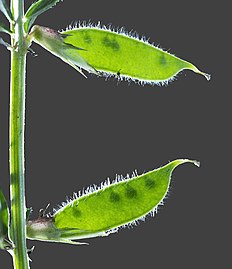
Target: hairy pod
102, 210
106, 52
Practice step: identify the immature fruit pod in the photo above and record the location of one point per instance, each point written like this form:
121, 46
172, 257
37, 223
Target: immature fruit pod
112, 53
103, 210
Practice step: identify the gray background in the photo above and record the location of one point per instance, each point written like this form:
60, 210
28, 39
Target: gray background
81, 131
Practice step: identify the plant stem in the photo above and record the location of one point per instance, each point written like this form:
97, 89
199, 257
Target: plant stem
17, 115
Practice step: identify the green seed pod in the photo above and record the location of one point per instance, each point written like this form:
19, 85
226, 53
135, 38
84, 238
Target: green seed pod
112, 53
102, 210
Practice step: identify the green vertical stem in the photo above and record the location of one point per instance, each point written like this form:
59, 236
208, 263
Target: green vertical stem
17, 116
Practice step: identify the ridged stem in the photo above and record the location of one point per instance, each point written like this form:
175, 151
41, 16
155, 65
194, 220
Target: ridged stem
16, 140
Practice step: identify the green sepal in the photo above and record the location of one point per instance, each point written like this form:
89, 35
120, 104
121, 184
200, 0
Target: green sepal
53, 41
6, 10
43, 229
37, 9
4, 223
4, 28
